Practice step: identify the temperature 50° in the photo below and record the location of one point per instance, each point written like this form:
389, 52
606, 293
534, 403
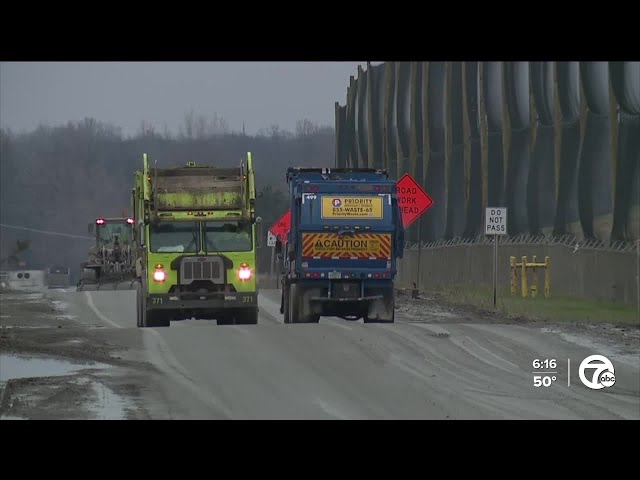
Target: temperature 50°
543, 381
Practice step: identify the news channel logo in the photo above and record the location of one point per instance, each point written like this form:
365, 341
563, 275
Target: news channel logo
601, 371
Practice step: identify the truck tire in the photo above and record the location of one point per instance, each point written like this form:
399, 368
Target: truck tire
153, 318
89, 275
298, 309
149, 318
379, 320
285, 301
282, 302
383, 315
294, 303
248, 316
225, 320
138, 289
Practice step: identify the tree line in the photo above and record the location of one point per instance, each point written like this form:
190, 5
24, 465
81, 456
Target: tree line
60, 178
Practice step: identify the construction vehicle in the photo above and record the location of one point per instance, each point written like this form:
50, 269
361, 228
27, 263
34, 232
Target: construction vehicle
111, 264
58, 276
14, 261
196, 244
340, 254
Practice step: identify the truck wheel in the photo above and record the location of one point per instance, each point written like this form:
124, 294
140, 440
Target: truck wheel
294, 303
225, 320
247, 316
381, 311
151, 318
282, 302
379, 320
138, 289
285, 301
89, 275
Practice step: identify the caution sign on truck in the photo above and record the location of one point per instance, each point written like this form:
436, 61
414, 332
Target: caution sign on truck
352, 207
361, 245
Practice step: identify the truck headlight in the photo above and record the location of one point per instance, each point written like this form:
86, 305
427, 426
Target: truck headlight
244, 273
159, 275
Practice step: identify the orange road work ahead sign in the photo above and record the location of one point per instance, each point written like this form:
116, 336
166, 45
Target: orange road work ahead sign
281, 228
413, 200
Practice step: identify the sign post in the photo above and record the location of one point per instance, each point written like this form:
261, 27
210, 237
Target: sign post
414, 202
495, 224
271, 243
280, 230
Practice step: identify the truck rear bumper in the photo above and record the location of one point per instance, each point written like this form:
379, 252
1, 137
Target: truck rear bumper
369, 298
202, 302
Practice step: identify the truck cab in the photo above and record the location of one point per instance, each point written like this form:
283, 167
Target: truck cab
341, 251
197, 238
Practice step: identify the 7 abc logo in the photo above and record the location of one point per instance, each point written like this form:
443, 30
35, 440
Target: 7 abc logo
603, 375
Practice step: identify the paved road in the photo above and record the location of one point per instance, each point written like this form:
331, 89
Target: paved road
348, 370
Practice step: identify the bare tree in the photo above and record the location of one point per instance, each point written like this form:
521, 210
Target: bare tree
146, 129
305, 128
189, 125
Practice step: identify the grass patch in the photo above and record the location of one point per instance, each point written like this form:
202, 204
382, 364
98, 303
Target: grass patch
564, 309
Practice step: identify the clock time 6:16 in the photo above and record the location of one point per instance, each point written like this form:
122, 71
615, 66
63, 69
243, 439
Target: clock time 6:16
546, 363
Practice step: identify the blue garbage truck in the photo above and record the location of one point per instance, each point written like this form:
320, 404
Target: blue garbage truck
339, 257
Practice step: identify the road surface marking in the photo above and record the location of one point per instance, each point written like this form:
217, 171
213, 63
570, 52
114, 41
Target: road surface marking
98, 313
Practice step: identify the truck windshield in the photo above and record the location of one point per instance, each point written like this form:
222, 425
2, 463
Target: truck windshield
174, 237
108, 231
228, 237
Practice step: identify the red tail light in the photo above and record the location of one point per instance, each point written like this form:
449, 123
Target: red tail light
101, 221
130, 221
159, 275
244, 273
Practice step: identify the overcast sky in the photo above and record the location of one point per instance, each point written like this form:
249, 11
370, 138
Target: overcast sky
126, 93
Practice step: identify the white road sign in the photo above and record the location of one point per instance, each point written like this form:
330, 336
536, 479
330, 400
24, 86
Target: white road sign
495, 221
271, 239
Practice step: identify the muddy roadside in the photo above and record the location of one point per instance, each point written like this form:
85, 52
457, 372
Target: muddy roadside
55, 365
436, 307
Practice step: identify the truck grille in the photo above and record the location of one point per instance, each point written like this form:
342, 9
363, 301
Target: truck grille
201, 268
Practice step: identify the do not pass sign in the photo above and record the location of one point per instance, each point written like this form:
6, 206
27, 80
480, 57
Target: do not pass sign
495, 221
413, 200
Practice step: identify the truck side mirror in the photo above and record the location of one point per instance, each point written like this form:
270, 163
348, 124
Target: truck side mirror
259, 232
90, 227
141, 230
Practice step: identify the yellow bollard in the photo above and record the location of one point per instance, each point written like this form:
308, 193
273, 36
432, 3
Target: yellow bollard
514, 276
547, 277
525, 289
534, 287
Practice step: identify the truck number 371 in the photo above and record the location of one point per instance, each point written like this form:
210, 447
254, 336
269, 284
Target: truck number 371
247, 299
